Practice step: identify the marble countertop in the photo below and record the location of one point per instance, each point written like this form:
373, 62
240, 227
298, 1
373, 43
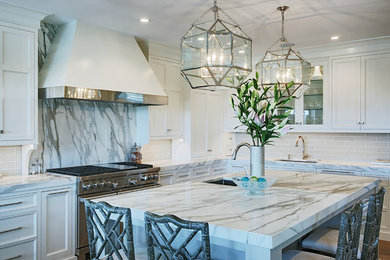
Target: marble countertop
296, 202
13, 183
170, 165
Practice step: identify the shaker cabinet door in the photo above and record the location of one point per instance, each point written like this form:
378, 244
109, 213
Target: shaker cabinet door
58, 224
376, 92
18, 92
158, 114
345, 93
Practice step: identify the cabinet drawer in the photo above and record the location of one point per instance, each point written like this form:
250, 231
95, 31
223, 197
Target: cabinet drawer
18, 228
182, 175
8, 204
220, 169
200, 172
339, 172
24, 251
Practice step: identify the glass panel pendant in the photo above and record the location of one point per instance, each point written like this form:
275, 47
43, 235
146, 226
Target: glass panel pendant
215, 53
282, 64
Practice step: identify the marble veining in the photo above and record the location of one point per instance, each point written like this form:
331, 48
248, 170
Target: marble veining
168, 166
74, 132
296, 202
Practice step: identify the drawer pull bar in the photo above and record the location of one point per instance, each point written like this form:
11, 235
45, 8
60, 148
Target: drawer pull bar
14, 257
55, 193
10, 230
11, 204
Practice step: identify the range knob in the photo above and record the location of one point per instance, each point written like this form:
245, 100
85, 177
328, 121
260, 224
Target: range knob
132, 181
144, 177
155, 176
94, 185
86, 186
115, 184
102, 184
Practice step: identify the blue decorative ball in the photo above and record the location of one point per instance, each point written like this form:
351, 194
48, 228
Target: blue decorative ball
261, 180
245, 179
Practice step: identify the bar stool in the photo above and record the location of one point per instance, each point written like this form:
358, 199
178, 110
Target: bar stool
348, 238
324, 239
107, 238
170, 237
373, 225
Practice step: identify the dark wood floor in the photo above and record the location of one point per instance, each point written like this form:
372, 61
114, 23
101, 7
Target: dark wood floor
384, 250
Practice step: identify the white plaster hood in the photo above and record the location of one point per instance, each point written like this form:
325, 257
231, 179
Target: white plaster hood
91, 63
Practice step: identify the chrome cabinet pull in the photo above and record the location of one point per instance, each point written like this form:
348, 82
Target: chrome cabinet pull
209, 150
10, 230
1, 131
11, 204
14, 257
169, 130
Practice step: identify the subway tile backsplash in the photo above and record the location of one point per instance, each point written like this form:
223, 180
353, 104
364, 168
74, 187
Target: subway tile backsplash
11, 159
353, 147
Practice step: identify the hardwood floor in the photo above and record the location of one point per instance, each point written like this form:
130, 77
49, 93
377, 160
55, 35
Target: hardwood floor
384, 250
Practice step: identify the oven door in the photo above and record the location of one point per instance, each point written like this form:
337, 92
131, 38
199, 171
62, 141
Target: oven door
82, 235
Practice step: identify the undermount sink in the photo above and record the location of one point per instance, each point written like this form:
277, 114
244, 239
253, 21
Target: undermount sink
298, 160
221, 181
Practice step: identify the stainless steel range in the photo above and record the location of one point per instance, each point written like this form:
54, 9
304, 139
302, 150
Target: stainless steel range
100, 180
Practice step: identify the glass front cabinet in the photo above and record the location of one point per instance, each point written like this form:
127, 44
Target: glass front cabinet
309, 112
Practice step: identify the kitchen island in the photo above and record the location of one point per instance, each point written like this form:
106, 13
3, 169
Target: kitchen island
252, 227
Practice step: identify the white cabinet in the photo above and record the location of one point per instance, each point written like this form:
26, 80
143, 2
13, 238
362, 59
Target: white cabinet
207, 110
167, 121
18, 89
38, 224
58, 218
360, 93
375, 100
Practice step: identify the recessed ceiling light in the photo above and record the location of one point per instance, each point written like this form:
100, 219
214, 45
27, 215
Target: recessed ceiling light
335, 38
144, 20
201, 39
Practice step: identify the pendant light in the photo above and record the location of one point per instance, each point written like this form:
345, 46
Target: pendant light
282, 64
215, 53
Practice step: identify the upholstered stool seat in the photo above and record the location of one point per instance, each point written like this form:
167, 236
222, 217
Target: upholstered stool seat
303, 255
347, 239
325, 240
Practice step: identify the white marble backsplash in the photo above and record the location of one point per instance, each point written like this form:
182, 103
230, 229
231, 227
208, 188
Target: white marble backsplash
74, 132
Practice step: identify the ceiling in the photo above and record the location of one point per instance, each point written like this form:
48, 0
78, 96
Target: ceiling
308, 22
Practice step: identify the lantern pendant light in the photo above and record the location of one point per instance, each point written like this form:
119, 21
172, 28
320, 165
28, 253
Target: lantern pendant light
215, 53
282, 64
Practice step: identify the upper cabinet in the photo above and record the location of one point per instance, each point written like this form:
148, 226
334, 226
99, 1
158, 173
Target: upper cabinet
310, 110
166, 122
207, 109
360, 93
18, 75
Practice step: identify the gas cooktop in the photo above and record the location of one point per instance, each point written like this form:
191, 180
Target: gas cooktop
88, 170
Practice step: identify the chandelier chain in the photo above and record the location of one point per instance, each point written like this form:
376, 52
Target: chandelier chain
282, 23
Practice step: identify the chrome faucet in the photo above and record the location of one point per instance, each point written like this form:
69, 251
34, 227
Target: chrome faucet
304, 155
234, 155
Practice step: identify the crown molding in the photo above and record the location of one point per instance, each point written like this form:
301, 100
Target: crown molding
347, 48
18, 15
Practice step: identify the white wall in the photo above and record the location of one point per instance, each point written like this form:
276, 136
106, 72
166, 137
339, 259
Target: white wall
327, 146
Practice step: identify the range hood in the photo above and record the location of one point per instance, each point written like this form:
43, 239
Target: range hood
91, 63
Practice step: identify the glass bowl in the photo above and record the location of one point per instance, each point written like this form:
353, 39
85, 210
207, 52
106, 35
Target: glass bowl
254, 186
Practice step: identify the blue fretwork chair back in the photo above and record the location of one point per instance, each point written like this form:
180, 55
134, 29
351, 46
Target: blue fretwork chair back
349, 233
169, 237
110, 232
373, 225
